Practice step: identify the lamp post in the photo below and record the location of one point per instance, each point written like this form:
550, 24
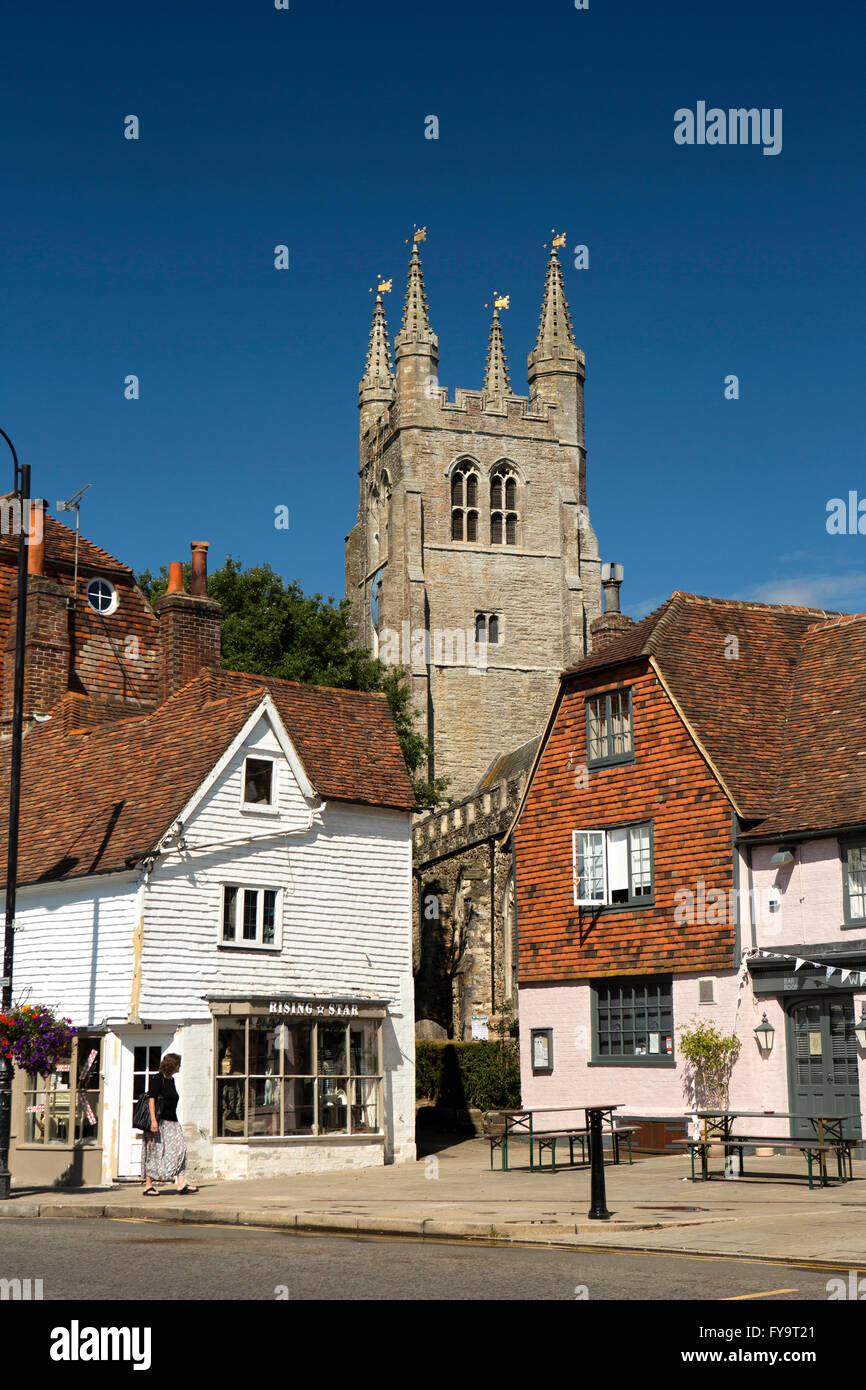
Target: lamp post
22, 492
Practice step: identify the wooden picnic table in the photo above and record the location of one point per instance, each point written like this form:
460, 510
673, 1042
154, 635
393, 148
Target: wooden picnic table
519, 1124
828, 1131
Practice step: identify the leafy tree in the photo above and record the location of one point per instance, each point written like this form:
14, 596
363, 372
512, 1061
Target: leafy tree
272, 628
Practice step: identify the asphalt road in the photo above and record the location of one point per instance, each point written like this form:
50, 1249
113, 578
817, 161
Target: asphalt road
108, 1260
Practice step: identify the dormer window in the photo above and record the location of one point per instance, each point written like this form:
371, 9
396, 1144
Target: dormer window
259, 783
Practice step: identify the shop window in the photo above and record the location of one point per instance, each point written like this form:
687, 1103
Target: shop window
633, 1019
250, 916
64, 1108
609, 737
613, 867
277, 1079
259, 782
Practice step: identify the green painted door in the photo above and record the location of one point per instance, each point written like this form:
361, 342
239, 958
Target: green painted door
822, 1062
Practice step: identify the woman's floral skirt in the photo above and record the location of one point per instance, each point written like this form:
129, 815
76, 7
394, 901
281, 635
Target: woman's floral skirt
163, 1155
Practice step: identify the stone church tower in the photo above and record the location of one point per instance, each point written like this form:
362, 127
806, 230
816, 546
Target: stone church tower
473, 562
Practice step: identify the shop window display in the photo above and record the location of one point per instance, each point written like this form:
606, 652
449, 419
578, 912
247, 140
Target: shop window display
277, 1079
64, 1108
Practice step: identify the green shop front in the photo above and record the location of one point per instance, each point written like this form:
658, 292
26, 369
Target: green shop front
817, 1002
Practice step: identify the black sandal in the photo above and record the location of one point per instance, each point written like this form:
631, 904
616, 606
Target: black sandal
151, 1192
187, 1187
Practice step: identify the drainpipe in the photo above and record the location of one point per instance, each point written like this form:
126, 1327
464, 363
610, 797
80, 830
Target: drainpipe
735, 874
492, 925
516, 941
752, 897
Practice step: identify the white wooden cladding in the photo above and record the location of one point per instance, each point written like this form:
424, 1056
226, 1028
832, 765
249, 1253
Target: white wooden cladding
344, 875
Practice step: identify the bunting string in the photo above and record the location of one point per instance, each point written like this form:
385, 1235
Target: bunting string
856, 978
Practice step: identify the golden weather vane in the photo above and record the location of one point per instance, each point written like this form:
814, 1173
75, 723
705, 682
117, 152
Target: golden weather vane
557, 240
382, 286
419, 234
500, 301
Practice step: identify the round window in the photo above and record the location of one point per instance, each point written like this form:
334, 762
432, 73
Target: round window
102, 596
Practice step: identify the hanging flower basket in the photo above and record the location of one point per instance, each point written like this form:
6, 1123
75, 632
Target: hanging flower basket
35, 1039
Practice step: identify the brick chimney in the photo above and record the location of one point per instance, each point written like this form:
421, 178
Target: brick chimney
612, 623
46, 642
189, 625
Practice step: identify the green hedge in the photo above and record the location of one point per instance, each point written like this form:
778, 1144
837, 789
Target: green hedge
463, 1074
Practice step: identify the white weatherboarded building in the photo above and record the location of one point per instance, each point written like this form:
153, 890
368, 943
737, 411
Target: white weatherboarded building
228, 878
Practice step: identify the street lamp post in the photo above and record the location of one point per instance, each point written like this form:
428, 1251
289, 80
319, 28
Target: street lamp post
22, 492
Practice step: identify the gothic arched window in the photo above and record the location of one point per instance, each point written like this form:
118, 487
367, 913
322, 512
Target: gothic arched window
372, 526
464, 503
385, 516
504, 516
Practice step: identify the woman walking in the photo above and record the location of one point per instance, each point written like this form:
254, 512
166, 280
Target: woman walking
163, 1151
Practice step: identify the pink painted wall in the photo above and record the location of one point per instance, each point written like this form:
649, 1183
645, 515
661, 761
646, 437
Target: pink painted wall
811, 888
758, 1082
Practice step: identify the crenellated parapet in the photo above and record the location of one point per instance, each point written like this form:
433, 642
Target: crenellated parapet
484, 815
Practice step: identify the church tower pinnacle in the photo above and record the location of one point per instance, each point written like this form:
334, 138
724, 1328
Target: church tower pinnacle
376, 388
554, 323
496, 381
557, 367
416, 345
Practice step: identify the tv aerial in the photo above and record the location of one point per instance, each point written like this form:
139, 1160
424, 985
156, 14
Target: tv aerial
73, 504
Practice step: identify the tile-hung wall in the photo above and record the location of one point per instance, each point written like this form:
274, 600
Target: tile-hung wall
565, 948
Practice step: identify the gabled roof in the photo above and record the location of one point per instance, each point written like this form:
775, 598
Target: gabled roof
95, 800
506, 766
60, 549
774, 696
822, 763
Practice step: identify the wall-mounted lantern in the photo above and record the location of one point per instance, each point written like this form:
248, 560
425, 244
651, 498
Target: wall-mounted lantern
860, 1028
765, 1033
785, 854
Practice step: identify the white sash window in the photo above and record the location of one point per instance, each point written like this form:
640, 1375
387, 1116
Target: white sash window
613, 867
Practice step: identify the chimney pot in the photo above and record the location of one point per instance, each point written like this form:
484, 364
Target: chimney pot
611, 578
175, 577
36, 536
198, 586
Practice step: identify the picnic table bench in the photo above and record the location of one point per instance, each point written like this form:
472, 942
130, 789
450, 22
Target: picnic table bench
827, 1139
502, 1127
810, 1149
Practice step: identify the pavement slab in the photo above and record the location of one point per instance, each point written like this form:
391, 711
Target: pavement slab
451, 1193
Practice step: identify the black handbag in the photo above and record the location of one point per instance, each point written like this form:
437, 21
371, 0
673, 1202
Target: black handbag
141, 1114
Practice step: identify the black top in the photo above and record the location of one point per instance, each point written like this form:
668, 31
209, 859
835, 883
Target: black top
163, 1087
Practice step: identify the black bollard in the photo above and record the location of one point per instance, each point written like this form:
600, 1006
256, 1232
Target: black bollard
598, 1211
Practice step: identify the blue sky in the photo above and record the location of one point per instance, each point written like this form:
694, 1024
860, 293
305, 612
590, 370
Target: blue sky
306, 127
